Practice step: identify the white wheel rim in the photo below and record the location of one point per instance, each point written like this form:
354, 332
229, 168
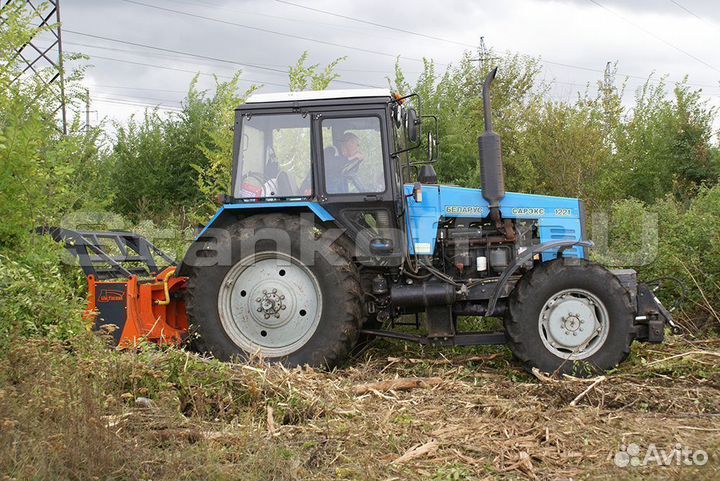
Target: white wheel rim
270, 303
574, 324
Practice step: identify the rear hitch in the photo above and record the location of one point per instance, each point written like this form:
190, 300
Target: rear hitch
651, 316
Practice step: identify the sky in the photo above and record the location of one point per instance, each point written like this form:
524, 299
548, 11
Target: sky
574, 38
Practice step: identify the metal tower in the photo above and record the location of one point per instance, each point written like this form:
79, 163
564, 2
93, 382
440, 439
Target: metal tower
36, 57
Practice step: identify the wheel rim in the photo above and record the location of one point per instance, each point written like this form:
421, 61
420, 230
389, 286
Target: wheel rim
574, 324
270, 303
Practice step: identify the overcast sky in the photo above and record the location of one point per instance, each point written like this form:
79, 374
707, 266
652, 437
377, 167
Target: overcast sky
575, 38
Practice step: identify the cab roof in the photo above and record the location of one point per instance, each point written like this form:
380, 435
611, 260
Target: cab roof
309, 95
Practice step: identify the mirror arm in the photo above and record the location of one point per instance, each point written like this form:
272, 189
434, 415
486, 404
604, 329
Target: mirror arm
419, 102
437, 137
402, 99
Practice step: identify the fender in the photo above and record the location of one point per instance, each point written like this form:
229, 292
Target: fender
255, 207
252, 208
525, 257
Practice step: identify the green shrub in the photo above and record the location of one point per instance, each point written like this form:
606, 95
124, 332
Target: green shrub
669, 239
39, 296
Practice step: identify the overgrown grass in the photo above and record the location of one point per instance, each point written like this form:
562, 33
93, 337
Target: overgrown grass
75, 410
69, 411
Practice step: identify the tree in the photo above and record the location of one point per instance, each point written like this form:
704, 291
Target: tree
43, 174
304, 77
175, 162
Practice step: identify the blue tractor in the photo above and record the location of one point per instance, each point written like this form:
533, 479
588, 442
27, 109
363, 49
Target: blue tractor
332, 232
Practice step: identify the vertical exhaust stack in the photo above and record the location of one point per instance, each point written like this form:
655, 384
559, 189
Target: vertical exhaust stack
491, 166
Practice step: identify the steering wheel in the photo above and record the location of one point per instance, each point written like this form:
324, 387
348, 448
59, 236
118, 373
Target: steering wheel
350, 174
259, 178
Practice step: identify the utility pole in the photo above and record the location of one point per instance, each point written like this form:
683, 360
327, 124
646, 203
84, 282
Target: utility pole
484, 56
37, 57
87, 111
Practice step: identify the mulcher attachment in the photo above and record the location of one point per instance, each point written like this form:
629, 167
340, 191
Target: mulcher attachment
129, 294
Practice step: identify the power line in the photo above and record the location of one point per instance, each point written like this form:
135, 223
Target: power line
693, 14
390, 27
277, 17
137, 104
184, 70
258, 29
209, 64
368, 22
215, 59
687, 10
140, 97
648, 32
588, 69
124, 87
630, 76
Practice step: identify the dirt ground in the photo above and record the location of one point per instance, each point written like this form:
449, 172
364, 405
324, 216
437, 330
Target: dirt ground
472, 414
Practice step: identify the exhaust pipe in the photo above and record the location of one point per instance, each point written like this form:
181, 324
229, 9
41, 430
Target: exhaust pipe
491, 166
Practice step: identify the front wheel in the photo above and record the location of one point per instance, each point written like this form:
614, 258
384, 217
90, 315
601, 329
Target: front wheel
277, 301
570, 316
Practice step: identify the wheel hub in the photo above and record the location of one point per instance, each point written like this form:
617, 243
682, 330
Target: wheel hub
573, 324
271, 303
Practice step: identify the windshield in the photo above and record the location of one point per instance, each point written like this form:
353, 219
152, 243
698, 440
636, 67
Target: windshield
275, 157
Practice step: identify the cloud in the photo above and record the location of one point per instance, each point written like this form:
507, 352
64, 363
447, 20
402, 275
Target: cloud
574, 32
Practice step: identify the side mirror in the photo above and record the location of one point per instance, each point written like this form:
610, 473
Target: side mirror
432, 147
413, 125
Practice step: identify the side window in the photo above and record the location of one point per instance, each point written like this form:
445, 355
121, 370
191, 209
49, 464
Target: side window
353, 155
275, 157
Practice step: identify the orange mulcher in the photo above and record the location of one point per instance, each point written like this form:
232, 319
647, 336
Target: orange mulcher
128, 294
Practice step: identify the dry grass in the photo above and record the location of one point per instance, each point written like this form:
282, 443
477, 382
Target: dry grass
70, 412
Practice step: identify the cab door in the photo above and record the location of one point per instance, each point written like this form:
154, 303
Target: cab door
355, 182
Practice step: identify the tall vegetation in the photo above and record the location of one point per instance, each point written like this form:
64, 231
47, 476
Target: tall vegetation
43, 175
175, 162
592, 147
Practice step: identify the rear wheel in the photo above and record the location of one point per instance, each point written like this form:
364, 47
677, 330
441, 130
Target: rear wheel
269, 302
570, 316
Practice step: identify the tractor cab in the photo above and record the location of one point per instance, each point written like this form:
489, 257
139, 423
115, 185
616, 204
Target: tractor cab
340, 151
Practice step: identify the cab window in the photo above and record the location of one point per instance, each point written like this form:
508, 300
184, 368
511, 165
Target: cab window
353, 155
275, 157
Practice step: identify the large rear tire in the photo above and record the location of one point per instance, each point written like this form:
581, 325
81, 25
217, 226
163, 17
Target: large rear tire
273, 301
570, 316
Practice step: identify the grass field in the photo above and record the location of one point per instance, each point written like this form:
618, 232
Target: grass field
81, 411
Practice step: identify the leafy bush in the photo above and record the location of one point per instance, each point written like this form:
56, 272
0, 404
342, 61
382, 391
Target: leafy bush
38, 295
43, 174
172, 161
669, 239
